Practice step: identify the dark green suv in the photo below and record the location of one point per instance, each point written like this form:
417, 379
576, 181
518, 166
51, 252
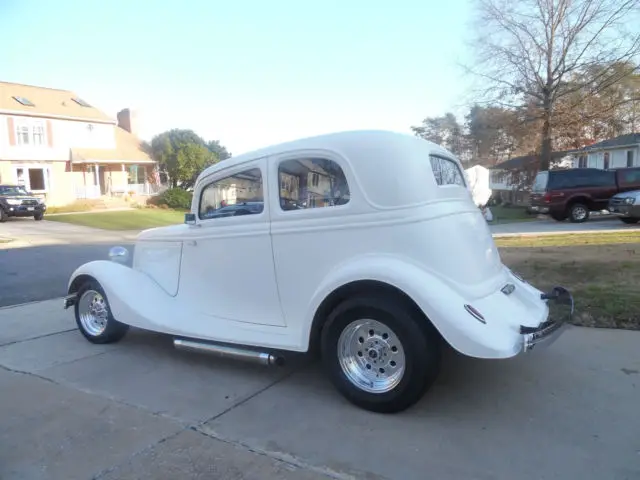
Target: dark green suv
15, 201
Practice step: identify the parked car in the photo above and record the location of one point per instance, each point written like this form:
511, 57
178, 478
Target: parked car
575, 192
15, 201
373, 272
626, 206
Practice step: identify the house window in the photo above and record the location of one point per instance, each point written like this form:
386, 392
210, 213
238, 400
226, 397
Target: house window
22, 134
136, 174
38, 135
316, 183
582, 161
446, 171
232, 196
606, 160
629, 158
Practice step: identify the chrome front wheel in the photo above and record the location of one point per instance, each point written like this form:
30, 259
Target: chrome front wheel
371, 356
93, 312
94, 317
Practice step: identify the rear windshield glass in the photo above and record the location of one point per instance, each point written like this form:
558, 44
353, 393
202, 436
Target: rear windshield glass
540, 182
446, 171
631, 176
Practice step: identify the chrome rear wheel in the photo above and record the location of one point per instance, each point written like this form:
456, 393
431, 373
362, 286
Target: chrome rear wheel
371, 356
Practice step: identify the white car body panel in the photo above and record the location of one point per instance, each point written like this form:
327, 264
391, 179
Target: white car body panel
259, 279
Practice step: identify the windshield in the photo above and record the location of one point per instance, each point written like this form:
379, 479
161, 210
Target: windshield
13, 191
540, 182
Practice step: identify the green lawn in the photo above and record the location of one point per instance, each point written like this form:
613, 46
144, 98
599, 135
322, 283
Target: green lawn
123, 220
510, 215
570, 239
604, 278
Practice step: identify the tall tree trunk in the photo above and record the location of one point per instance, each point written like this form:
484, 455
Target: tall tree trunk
545, 151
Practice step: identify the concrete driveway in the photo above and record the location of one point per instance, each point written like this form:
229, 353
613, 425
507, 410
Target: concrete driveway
142, 410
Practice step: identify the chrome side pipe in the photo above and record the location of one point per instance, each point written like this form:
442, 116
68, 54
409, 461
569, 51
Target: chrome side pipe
224, 351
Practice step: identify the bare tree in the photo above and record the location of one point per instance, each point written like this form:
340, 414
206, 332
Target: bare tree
530, 49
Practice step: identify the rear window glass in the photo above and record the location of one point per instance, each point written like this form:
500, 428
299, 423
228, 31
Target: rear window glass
630, 176
582, 178
446, 171
540, 182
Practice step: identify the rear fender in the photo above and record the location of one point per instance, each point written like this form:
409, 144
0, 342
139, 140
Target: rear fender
439, 301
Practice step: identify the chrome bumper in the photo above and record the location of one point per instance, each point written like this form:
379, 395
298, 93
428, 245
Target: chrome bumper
561, 307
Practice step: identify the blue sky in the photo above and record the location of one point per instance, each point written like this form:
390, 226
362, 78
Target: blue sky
247, 73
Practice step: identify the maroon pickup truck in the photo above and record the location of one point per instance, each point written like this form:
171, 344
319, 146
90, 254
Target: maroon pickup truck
575, 192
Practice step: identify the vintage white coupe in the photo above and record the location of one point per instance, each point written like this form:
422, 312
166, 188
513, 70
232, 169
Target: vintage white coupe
365, 247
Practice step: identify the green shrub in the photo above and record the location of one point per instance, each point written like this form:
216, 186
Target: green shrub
176, 198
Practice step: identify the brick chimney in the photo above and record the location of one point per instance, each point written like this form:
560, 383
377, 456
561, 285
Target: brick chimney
127, 119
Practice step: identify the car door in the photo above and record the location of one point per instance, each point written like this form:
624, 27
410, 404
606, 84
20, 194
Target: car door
227, 269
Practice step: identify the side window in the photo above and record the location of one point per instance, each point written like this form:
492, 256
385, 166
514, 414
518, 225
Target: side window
446, 171
312, 183
232, 196
632, 176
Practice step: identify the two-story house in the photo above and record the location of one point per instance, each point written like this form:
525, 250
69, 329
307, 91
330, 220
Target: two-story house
61, 147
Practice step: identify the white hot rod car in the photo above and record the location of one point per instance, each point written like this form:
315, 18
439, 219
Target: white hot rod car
365, 247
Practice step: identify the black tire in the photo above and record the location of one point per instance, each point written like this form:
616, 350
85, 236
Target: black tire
629, 221
38, 216
3, 216
558, 217
578, 213
418, 339
113, 331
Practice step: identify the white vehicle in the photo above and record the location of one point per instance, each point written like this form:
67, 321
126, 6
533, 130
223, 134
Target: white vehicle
363, 246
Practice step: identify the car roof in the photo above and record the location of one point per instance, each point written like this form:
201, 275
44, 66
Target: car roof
391, 168
340, 141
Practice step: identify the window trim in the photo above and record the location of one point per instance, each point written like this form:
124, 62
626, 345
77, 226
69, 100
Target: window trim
306, 155
226, 173
448, 159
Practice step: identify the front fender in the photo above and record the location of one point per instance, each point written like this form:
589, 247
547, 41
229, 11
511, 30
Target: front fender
441, 303
134, 298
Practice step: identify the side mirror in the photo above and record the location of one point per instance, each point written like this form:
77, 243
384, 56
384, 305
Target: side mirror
190, 218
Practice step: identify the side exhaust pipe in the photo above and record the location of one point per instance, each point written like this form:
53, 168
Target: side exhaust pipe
228, 352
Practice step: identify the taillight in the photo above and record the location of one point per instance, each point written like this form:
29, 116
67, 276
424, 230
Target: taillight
547, 197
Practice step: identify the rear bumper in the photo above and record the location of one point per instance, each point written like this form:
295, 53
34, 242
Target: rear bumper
538, 208
561, 307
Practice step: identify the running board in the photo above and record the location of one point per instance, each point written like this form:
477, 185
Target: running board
228, 352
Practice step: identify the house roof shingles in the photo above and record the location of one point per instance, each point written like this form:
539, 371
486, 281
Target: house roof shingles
128, 148
47, 102
517, 162
620, 141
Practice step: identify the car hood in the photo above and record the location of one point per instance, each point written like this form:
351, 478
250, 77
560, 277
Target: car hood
630, 193
19, 197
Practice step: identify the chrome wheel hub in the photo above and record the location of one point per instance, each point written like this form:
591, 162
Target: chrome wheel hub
93, 312
371, 356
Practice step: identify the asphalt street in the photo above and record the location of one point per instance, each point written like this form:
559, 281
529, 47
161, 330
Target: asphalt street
38, 263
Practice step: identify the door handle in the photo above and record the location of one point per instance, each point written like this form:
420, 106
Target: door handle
192, 243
